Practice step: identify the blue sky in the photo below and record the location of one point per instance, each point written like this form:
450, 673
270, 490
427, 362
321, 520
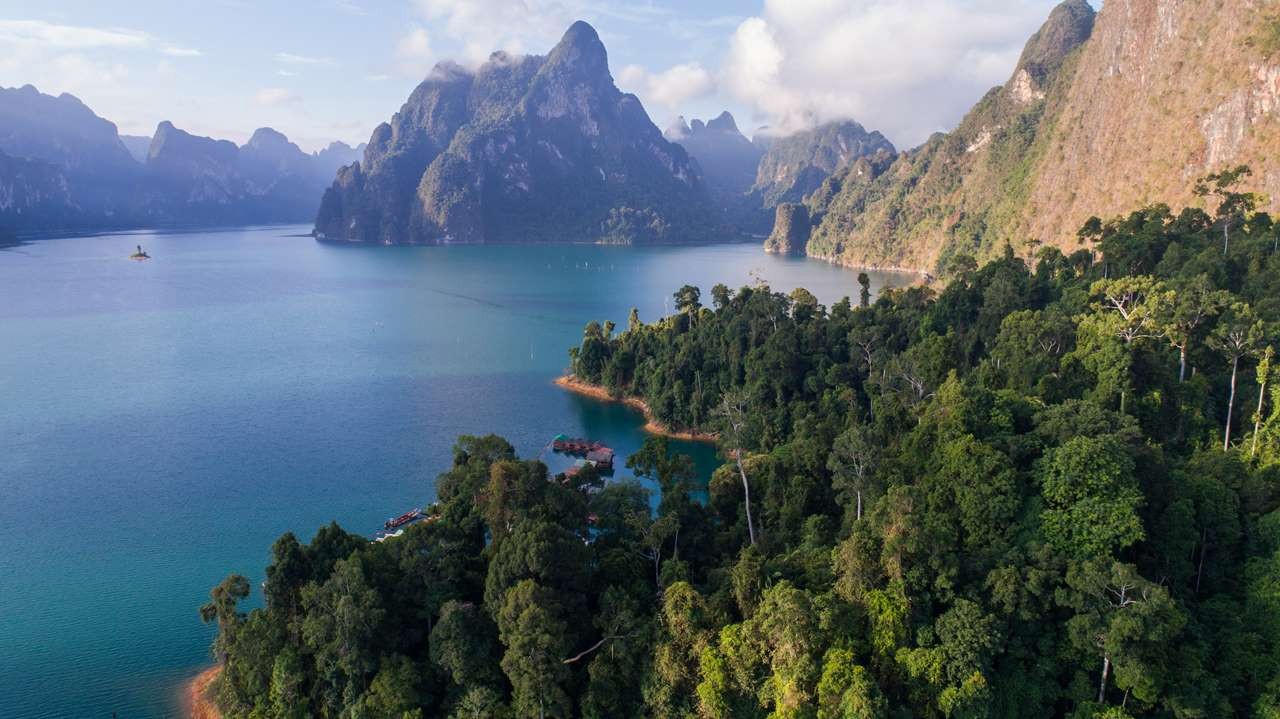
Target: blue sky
333, 69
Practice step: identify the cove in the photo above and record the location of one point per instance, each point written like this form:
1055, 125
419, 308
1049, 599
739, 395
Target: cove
162, 422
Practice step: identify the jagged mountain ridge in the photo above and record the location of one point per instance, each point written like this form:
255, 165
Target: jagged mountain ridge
65, 168
1103, 113
728, 162
525, 149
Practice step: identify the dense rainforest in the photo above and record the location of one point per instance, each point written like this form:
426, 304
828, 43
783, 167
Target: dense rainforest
1049, 488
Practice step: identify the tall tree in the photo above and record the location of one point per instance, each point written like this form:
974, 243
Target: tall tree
852, 462
1233, 206
1238, 334
735, 434
1181, 311
864, 293
1264, 374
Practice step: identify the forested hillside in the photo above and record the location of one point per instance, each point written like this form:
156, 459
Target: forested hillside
1048, 489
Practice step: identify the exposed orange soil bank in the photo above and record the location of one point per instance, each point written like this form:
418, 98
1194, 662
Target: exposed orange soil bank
651, 425
199, 703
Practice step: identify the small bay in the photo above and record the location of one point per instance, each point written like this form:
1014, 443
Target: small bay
162, 422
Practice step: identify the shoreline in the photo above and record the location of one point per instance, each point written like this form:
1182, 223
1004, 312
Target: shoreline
651, 425
195, 694
921, 275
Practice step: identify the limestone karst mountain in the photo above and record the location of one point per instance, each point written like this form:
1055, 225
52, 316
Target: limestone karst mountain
524, 149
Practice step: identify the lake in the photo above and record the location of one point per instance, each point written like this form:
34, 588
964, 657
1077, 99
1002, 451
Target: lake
162, 422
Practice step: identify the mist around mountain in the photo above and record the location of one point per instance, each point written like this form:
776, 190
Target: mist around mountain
728, 162
64, 168
524, 149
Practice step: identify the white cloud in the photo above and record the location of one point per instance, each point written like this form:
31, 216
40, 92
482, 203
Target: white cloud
350, 7
270, 96
292, 59
908, 69
671, 88
70, 37
414, 52
482, 26
57, 37
175, 51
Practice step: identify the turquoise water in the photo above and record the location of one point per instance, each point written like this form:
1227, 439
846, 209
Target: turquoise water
162, 422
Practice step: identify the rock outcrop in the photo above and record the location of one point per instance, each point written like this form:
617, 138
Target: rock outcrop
790, 230
525, 149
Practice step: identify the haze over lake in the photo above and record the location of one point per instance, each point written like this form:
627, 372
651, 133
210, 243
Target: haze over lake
165, 421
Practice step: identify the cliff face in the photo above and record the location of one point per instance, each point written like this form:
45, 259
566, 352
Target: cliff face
790, 230
1101, 115
964, 191
525, 149
1165, 91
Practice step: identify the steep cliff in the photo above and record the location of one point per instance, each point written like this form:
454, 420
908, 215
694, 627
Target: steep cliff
728, 162
962, 191
790, 230
526, 149
1101, 115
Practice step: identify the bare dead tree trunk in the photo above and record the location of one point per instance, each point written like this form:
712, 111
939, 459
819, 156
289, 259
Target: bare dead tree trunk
1102, 685
1204, 547
859, 504
1257, 418
1231, 402
1182, 363
746, 494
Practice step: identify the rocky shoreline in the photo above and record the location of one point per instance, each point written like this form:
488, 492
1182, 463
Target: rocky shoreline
652, 425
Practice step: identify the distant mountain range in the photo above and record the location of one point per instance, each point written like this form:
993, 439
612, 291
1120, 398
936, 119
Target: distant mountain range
749, 178
524, 149
62, 167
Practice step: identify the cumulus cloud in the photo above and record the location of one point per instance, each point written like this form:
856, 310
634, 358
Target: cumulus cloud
483, 26
270, 96
907, 69
414, 52
671, 88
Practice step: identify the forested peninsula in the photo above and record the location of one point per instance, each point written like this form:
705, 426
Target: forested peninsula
1048, 488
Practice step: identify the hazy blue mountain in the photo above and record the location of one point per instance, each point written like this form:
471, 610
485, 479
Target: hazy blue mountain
65, 168
728, 161
524, 149
337, 154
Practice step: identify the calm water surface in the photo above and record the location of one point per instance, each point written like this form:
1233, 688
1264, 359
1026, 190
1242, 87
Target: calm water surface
162, 422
